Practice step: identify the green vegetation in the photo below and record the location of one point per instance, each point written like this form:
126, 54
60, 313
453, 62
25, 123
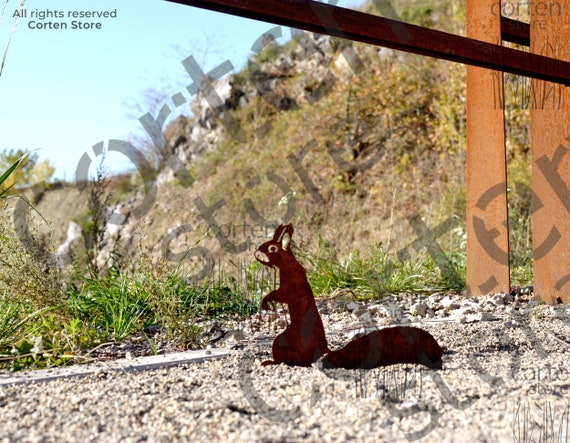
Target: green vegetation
378, 273
50, 319
7, 178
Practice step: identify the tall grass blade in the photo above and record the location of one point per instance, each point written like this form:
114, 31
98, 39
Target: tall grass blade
8, 173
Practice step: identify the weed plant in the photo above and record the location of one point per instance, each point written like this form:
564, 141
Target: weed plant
50, 318
378, 273
543, 422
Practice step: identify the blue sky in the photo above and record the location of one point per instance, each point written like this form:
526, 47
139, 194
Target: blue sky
64, 90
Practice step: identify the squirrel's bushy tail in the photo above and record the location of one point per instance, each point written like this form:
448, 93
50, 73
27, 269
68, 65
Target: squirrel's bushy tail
388, 346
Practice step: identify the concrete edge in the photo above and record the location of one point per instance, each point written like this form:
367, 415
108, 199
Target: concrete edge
135, 364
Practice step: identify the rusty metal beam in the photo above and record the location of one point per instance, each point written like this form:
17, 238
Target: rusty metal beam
550, 141
515, 31
353, 25
487, 236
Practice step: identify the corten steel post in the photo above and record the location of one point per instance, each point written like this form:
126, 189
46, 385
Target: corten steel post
487, 233
550, 132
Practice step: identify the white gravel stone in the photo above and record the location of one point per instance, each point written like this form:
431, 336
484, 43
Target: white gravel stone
419, 309
363, 315
353, 306
391, 310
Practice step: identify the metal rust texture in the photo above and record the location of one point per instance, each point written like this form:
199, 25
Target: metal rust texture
550, 141
332, 20
303, 341
487, 235
515, 32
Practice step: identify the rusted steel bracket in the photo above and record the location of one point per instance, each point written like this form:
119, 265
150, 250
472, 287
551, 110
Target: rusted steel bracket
353, 25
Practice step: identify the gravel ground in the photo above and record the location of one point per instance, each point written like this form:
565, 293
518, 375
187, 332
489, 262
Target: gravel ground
505, 378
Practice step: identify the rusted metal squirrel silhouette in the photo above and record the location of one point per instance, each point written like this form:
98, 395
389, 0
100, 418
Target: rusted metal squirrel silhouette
303, 342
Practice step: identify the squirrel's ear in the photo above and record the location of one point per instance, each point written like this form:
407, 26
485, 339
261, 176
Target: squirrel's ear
285, 238
278, 233
285, 241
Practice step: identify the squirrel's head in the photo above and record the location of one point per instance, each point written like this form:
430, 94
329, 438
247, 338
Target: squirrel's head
275, 251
